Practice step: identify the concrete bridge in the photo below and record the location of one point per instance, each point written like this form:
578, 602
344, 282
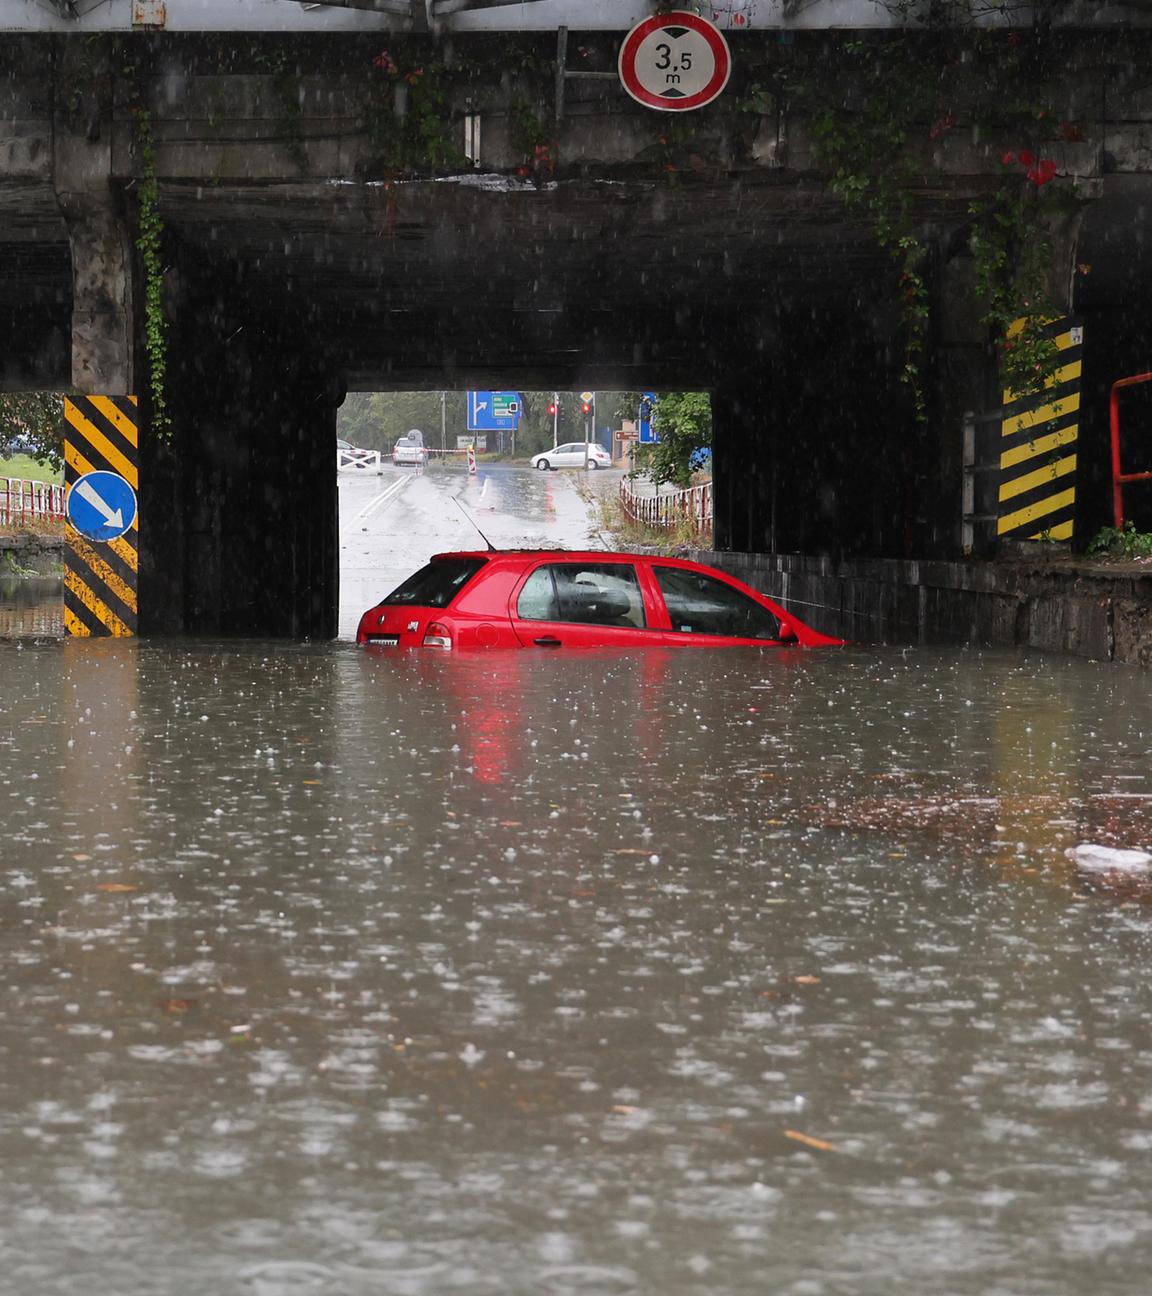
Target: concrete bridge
398, 195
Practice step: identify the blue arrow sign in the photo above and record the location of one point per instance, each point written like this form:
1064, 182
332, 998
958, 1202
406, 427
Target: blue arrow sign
493, 411
647, 405
101, 505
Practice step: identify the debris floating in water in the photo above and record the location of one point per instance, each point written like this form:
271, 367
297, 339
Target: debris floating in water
1089, 855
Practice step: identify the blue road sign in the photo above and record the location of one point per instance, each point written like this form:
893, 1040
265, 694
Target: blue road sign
101, 505
493, 411
647, 405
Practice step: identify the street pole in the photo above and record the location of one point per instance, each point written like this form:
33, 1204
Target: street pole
589, 424
555, 418
443, 422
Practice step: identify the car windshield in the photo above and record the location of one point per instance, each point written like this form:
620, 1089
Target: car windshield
437, 584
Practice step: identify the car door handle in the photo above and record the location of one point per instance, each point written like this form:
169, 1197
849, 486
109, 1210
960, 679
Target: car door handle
547, 642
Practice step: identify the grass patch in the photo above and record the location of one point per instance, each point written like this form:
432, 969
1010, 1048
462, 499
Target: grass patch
9, 566
42, 527
631, 535
25, 467
1124, 543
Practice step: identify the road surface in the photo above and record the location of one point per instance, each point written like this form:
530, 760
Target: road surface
393, 523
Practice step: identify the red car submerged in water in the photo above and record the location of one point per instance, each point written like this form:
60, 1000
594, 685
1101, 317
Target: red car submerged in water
561, 599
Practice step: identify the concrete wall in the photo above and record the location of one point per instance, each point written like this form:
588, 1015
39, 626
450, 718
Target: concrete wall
450, 16
708, 253
239, 507
1084, 610
43, 555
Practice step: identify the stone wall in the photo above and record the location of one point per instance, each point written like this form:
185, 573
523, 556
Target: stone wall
1094, 610
43, 555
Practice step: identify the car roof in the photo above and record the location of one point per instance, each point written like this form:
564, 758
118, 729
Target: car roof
569, 555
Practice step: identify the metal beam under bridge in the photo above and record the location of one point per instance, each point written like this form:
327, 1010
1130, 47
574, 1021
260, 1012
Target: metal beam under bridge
64, 16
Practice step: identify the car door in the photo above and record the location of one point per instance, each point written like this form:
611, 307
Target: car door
570, 603
566, 456
705, 611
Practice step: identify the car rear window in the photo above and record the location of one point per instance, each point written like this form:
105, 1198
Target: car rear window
435, 585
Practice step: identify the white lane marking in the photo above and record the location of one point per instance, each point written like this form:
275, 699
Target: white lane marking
383, 498
484, 488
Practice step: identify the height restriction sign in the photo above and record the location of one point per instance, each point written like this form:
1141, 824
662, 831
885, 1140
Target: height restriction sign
674, 62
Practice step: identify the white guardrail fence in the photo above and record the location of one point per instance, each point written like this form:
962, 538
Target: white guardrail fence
354, 460
358, 461
24, 502
691, 508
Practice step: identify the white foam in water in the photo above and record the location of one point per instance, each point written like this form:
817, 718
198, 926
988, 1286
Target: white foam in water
1088, 855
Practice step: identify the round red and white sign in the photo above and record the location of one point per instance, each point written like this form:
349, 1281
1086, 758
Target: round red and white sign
674, 62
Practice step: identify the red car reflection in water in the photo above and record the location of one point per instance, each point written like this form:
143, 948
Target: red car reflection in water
560, 599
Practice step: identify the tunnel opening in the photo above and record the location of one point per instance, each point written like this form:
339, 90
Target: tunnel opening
422, 472
32, 495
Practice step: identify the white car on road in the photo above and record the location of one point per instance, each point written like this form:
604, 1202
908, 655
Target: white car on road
573, 455
408, 451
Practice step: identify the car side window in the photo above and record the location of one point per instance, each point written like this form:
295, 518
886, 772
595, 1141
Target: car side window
606, 594
537, 601
699, 604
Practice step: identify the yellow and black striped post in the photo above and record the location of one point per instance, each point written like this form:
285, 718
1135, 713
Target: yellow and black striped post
1038, 447
101, 565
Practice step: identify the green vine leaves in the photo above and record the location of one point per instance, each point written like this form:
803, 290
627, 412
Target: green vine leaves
891, 104
148, 243
406, 113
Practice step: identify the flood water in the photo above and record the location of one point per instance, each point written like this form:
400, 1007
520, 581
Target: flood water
31, 607
334, 971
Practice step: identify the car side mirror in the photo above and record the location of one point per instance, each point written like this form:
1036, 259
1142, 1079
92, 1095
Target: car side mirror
786, 633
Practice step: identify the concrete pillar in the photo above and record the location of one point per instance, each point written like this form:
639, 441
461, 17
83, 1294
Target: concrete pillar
811, 439
743, 455
961, 376
241, 522
99, 235
745, 355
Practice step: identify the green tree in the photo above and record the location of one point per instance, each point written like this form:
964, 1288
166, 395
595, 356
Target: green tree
683, 421
374, 420
33, 423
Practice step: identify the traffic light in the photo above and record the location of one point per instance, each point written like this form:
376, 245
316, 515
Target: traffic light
552, 407
585, 407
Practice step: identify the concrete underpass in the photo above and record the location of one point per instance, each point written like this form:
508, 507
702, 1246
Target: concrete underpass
299, 264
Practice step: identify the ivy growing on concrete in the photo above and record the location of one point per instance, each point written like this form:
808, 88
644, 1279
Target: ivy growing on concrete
149, 235
876, 118
286, 83
406, 113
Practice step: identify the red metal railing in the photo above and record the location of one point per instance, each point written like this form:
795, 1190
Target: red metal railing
1120, 478
692, 507
23, 503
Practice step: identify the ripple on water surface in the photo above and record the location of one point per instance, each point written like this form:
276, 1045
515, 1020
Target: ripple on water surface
328, 971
